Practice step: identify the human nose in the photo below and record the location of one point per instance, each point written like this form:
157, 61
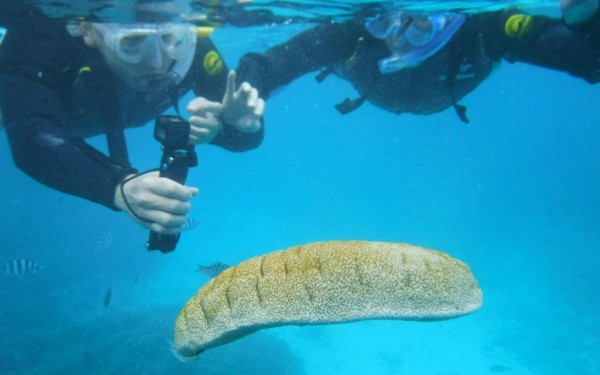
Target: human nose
154, 57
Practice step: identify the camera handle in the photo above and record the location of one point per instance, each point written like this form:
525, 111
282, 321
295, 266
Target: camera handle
174, 164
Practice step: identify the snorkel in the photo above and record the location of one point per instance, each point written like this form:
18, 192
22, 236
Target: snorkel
159, 85
409, 42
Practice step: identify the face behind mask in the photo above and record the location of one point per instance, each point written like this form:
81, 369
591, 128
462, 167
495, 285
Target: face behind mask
412, 39
143, 53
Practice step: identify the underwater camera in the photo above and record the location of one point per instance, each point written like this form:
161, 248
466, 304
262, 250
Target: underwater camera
173, 132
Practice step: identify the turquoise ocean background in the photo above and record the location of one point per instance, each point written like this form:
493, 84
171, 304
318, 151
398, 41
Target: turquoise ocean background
514, 194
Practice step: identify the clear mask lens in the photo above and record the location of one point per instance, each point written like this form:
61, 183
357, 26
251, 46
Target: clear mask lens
384, 26
177, 44
132, 44
420, 32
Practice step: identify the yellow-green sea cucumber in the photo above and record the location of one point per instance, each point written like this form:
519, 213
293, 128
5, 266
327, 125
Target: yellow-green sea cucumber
323, 283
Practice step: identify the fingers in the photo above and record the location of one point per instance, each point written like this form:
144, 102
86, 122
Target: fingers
245, 93
163, 221
252, 98
155, 227
168, 189
205, 120
166, 224
204, 130
254, 104
159, 203
259, 108
241, 108
230, 87
201, 107
251, 123
165, 216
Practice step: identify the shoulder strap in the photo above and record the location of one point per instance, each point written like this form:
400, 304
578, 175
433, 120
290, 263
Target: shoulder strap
456, 57
115, 128
115, 134
349, 105
324, 73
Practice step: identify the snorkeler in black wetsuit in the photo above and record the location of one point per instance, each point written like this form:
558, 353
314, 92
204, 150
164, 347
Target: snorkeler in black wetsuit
58, 86
424, 63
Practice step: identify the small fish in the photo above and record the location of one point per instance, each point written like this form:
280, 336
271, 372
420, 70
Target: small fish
213, 270
190, 223
104, 241
21, 267
108, 297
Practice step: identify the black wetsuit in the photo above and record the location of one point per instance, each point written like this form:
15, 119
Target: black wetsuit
348, 50
55, 91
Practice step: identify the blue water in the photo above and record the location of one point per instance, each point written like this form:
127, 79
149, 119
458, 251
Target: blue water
514, 194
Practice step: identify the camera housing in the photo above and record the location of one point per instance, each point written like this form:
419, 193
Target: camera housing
172, 132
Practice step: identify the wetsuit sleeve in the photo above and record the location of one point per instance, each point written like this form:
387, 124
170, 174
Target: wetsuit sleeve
209, 80
326, 45
32, 116
546, 42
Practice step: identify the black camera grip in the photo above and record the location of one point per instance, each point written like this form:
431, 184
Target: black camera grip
178, 156
174, 166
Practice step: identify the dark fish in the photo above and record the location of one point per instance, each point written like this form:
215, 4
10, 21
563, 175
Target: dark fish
108, 297
104, 241
190, 223
213, 270
21, 267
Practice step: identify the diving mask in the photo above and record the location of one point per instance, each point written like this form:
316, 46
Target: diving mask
133, 43
412, 39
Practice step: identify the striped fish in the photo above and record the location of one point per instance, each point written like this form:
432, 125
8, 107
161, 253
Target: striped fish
213, 270
190, 223
21, 267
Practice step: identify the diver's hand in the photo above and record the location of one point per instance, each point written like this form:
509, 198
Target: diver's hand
156, 203
206, 121
242, 109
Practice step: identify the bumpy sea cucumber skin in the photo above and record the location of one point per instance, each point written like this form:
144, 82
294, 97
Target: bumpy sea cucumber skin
326, 282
